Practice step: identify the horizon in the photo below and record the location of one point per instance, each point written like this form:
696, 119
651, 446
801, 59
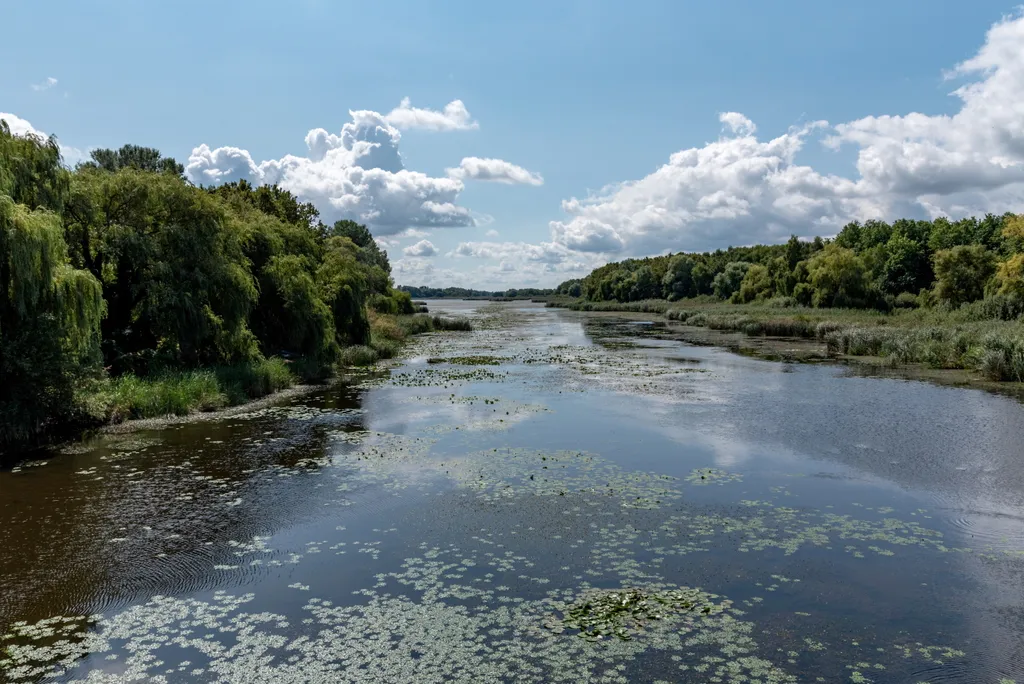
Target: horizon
495, 148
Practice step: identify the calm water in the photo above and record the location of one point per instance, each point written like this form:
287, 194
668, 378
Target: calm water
694, 514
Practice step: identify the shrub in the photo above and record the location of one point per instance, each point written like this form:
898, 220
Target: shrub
451, 324
358, 355
416, 325
782, 302
906, 300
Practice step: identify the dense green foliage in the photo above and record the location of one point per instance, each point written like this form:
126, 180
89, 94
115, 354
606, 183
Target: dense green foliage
875, 265
123, 281
49, 311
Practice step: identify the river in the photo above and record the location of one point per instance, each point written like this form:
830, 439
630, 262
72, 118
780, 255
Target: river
553, 497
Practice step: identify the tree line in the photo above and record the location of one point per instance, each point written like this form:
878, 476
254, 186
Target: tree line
871, 265
424, 292
121, 266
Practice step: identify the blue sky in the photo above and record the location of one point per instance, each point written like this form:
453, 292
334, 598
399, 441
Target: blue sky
584, 94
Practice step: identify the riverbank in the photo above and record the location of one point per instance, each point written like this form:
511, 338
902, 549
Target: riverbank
984, 349
129, 402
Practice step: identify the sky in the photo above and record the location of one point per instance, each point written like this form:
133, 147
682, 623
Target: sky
496, 145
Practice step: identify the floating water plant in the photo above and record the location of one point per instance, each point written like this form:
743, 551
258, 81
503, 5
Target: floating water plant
623, 612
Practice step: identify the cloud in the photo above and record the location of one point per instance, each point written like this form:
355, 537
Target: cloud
741, 189
413, 233
454, 117
45, 85
491, 233
357, 174
495, 171
423, 248
19, 126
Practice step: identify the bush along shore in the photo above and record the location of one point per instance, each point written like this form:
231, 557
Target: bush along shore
128, 292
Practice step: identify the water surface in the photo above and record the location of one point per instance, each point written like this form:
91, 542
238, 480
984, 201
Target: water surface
556, 496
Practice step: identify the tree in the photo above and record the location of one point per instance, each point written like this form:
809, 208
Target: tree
838, 277
342, 285
1009, 278
49, 312
645, 285
796, 251
175, 278
962, 273
756, 284
678, 280
905, 267
729, 280
1013, 232
134, 157
273, 201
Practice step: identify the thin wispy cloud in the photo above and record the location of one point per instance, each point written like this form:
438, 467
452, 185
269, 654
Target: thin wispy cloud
45, 85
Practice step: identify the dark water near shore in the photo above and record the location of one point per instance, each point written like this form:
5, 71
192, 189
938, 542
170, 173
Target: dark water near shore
447, 519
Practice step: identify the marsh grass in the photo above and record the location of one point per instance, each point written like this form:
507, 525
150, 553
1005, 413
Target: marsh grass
986, 336
456, 324
358, 355
389, 332
182, 392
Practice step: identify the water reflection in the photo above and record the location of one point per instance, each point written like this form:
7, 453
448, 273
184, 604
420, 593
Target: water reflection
129, 516
443, 519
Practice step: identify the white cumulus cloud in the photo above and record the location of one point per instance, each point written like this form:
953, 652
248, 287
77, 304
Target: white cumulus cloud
19, 126
495, 171
742, 189
423, 248
356, 174
454, 117
45, 85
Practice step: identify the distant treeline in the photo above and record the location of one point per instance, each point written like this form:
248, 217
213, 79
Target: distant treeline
425, 292
122, 267
874, 265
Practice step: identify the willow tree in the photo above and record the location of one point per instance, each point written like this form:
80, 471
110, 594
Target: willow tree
49, 312
342, 283
174, 275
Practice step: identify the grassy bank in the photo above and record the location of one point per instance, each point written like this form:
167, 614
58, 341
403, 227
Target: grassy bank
985, 337
182, 392
389, 332
129, 397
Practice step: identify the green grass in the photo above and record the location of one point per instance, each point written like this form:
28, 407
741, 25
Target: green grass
182, 392
358, 355
389, 332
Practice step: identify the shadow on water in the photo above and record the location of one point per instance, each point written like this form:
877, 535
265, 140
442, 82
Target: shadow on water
122, 517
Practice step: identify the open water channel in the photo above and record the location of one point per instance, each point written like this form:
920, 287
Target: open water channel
553, 497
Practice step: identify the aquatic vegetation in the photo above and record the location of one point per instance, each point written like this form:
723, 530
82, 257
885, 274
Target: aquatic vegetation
620, 612
468, 360
491, 561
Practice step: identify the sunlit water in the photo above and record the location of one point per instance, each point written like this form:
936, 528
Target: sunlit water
553, 497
